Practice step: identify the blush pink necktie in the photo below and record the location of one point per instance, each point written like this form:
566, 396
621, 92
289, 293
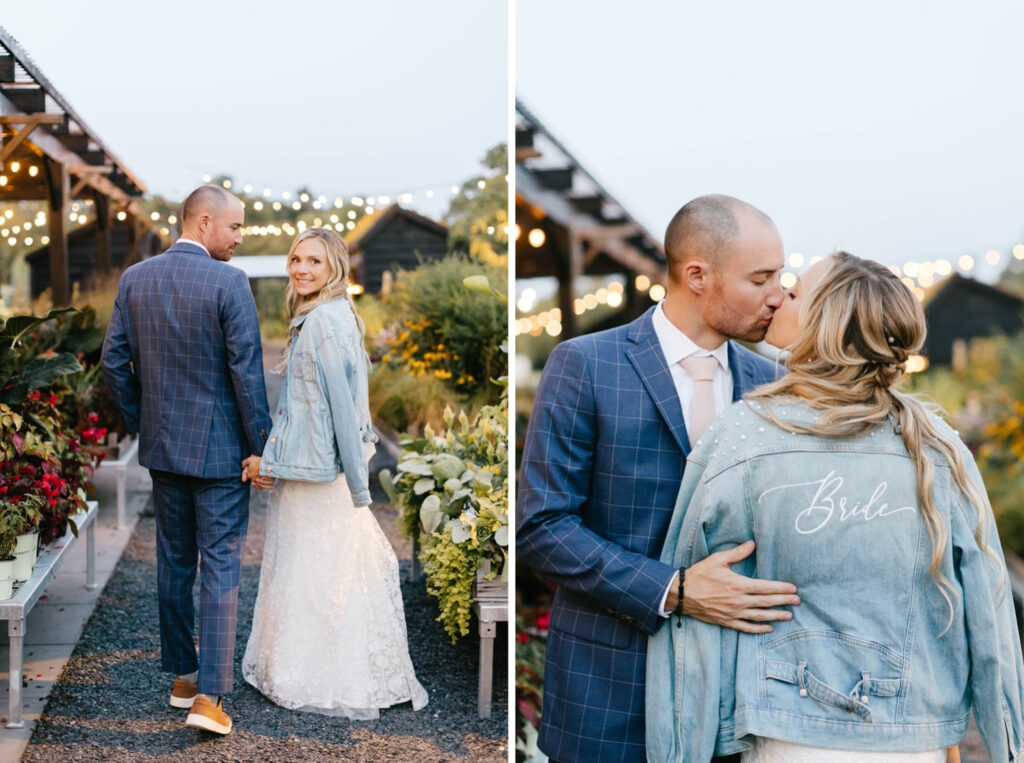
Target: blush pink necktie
702, 411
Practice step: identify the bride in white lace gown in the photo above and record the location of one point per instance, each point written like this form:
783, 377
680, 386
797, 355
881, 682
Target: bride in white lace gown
328, 632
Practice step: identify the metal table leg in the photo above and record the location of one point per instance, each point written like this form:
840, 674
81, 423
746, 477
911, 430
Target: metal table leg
16, 630
487, 630
90, 557
121, 477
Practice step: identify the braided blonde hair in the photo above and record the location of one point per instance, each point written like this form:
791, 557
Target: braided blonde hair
339, 266
859, 324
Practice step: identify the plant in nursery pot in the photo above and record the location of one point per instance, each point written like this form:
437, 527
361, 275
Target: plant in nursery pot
19, 518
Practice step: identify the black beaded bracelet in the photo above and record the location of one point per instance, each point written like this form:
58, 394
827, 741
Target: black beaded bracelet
679, 603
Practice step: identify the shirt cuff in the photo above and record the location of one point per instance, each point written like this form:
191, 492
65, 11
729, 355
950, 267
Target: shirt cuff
661, 609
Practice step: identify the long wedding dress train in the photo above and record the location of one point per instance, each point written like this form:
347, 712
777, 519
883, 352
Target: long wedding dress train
328, 630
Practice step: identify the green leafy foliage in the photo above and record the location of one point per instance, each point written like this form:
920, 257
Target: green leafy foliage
21, 371
985, 403
452, 491
447, 331
478, 215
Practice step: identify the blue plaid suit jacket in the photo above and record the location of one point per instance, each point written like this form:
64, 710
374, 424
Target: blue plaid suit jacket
184, 359
602, 465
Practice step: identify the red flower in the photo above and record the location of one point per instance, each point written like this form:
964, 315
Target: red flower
53, 399
543, 620
35, 394
524, 637
93, 418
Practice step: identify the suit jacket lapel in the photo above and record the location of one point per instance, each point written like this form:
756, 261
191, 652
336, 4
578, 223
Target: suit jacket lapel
742, 373
649, 361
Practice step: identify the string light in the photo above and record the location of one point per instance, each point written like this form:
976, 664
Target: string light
536, 237
550, 321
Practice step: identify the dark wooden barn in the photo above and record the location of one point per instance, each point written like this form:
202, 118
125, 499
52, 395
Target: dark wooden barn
571, 226
82, 255
960, 309
393, 238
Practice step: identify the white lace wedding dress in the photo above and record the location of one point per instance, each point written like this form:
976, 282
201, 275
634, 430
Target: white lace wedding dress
776, 751
328, 631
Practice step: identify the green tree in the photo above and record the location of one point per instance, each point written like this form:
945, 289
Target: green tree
478, 215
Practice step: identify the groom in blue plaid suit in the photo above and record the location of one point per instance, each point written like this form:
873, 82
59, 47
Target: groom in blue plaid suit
184, 359
602, 465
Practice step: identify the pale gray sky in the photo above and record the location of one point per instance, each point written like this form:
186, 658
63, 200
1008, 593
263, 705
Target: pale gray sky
374, 97
889, 129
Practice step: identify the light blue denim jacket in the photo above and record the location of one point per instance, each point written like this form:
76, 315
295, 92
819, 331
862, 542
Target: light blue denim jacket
322, 421
867, 662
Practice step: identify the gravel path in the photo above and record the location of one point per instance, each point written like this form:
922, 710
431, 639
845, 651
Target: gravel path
111, 701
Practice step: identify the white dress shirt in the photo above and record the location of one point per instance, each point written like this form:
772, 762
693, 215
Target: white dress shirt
184, 240
676, 345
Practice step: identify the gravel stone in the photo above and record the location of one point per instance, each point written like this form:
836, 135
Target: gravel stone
110, 702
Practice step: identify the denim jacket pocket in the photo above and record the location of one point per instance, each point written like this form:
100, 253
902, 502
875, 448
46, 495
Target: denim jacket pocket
306, 389
843, 676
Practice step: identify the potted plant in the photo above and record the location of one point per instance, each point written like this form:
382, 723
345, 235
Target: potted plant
19, 516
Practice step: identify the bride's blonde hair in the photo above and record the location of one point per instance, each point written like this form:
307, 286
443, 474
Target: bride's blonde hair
339, 268
859, 324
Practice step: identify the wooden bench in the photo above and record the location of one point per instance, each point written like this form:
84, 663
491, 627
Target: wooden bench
26, 594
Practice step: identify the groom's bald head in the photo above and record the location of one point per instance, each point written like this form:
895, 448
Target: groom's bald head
707, 227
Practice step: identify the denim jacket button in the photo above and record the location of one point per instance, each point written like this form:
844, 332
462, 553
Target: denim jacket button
803, 692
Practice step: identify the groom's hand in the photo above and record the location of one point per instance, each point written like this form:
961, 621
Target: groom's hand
712, 592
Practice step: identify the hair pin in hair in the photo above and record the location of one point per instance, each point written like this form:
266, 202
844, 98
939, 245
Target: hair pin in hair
892, 340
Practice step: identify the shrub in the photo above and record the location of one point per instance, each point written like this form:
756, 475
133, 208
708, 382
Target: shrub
447, 331
985, 403
452, 492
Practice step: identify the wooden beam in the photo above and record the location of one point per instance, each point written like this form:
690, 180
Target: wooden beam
557, 179
604, 233
131, 225
28, 123
83, 172
53, 148
104, 221
31, 100
58, 182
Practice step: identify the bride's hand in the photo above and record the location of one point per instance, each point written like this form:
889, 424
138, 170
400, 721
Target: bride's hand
251, 471
252, 467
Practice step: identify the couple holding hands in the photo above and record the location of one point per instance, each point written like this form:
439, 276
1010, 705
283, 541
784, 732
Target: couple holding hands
184, 359
814, 576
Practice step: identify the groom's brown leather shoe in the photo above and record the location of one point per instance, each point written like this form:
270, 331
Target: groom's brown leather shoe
209, 717
184, 693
